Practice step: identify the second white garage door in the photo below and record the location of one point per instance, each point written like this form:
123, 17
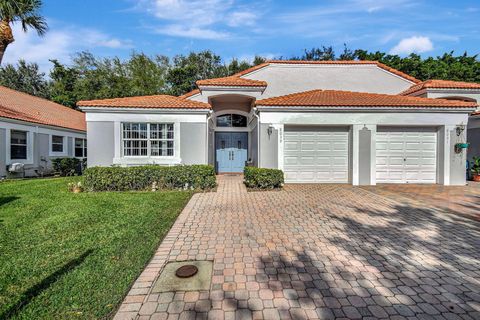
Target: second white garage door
316, 154
406, 155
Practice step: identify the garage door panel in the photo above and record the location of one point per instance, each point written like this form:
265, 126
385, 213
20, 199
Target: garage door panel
321, 157
406, 157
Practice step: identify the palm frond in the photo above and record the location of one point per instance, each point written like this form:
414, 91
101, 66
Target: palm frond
24, 11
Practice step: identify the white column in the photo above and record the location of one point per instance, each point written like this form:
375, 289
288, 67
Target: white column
447, 149
370, 163
355, 153
373, 153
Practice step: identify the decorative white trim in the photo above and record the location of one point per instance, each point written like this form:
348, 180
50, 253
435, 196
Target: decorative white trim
120, 159
235, 88
145, 117
52, 153
144, 110
356, 109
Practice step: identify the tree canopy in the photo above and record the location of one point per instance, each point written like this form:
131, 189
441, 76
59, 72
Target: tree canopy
89, 77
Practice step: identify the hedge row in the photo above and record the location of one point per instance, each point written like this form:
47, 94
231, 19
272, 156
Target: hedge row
199, 177
261, 178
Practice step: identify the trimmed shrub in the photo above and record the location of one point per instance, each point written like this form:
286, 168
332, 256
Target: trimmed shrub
66, 166
261, 178
198, 177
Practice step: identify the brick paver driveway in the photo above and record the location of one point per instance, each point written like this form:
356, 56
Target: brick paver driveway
316, 251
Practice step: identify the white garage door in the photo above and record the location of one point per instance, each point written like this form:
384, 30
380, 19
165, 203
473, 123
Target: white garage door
316, 154
406, 155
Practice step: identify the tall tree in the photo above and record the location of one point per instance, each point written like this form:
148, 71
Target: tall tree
63, 84
26, 12
188, 69
24, 77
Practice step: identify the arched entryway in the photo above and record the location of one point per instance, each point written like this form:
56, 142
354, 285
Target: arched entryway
231, 125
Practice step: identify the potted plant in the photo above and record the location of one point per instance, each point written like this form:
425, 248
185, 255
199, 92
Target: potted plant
475, 169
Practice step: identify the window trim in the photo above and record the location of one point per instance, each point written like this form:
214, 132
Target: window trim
121, 159
84, 148
8, 137
50, 146
18, 144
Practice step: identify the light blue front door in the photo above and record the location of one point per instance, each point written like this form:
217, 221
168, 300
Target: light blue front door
231, 151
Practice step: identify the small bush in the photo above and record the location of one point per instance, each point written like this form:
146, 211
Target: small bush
151, 177
66, 166
261, 178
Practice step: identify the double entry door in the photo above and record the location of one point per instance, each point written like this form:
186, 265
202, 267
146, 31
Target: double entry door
231, 151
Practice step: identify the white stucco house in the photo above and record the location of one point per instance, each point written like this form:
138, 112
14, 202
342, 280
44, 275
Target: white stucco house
356, 122
33, 131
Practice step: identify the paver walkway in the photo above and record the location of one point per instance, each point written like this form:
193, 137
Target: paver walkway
316, 252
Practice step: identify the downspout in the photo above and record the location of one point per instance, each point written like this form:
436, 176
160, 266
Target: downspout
255, 114
209, 116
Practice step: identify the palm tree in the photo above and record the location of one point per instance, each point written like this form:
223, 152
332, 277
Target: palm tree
26, 12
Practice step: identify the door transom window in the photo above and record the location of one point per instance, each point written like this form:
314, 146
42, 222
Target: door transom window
232, 120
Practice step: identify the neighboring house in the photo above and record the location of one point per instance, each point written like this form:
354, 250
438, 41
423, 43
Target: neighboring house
454, 90
34, 130
320, 122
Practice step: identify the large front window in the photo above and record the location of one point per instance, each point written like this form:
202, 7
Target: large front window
148, 139
18, 145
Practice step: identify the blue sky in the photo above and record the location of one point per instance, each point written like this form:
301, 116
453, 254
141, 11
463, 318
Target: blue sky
242, 29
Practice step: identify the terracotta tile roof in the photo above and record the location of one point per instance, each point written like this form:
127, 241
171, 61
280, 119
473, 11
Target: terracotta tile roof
334, 98
21, 106
189, 94
339, 62
150, 102
232, 81
441, 84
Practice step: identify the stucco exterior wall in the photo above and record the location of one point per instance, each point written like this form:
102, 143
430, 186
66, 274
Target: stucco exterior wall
473, 137
193, 145
100, 143
458, 172
3, 154
268, 147
285, 79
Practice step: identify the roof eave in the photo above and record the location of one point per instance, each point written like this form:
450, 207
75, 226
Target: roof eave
41, 124
102, 109
236, 88
291, 108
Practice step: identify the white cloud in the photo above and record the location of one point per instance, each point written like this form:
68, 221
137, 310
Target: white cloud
240, 18
57, 44
192, 32
198, 19
416, 44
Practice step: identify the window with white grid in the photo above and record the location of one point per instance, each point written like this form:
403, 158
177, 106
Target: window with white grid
148, 139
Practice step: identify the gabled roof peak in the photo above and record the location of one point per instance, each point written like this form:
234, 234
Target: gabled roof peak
440, 84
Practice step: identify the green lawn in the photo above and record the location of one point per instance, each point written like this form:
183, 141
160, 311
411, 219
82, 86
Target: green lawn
65, 255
